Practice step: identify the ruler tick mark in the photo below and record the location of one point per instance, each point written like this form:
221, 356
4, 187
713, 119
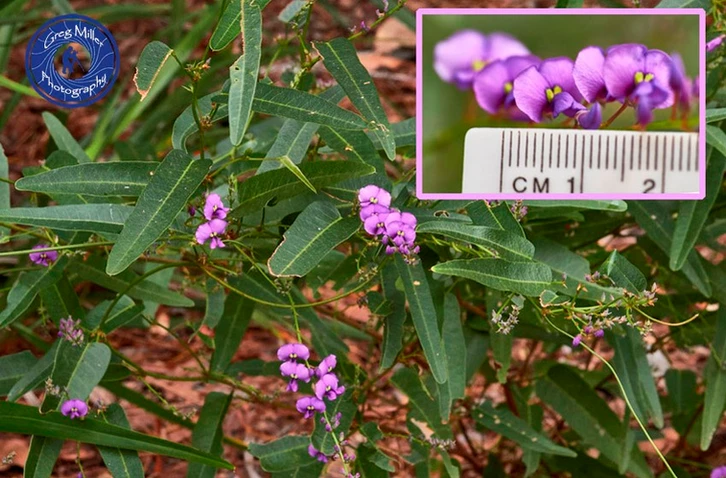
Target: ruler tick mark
567, 149
526, 148
607, 152
680, 155
559, 149
632, 151
582, 162
655, 156
599, 149
501, 166
673, 153
519, 146
663, 172
622, 172
511, 139
552, 138
640, 152
647, 155
541, 154
688, 162
534, 151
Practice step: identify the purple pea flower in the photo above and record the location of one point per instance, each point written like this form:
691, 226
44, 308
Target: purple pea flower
373, 201
599, 333
43, 258
74, 408
719, 472
328, 387
458, 58
326, 366
401, 228
680, 83
214, 208
634, 73
375, 225
590, 119
293, 352
493, 85
318, 455
548, 89
576, 341
70, 330
296, 371
715, 43
213, 229
588, 74
309, 405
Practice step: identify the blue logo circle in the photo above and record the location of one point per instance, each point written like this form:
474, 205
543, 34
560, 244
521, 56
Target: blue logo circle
72, 61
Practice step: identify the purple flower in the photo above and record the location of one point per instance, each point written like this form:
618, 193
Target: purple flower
192, 210
590, 119
375, 224
328, 387
373, 200
74, 408
576, 341
70, 330
599, 333
293, 352
309, 405
319, 455
493, 85
214, 208
296, 371
548, 89
213, 229
719, 472
401, 228
326, 366
588, 74
680, 83
43, 258
712, 45
458, 58
634, 73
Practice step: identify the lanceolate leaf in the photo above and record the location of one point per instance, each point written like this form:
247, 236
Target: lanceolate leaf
26, 288
231, 330
255, 193
123, 178
623, 273
61, 300
505, 423
151, 61
285, 454
13, 367
168, 191
341, 59
63, 138
42, 455
16, 418
424, 316
420, 403
301, 106
715, 375
510, 246
121, 463
692, 215
98, 218
243, 73
353, 144
714, 115
207, 434
452, 335
315, 232
228, 27
526, 278
35, 376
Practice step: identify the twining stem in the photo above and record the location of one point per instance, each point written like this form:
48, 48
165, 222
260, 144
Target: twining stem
609, 121
55, 248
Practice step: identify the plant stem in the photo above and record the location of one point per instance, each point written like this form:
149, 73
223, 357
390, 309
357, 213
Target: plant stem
614, 116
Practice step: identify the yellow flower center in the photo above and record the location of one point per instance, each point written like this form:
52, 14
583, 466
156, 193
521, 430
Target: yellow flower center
551, 92
478, 65
641, 77
374, 200
508, 87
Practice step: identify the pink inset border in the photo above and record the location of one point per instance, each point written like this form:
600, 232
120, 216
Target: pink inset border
561, 11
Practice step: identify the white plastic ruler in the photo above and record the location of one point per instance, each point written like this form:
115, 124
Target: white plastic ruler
568, 161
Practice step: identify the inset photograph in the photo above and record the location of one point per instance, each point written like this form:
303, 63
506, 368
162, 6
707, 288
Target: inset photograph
514, 104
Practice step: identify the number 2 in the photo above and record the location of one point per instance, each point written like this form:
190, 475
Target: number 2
649, 185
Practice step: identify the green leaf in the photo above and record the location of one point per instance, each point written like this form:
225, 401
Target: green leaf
257, 191
121, 463
124, 178
420, 403
228, 27
341, 60
353, 144
214, 305
152, 60
23, 419
243, 73
142, 290
231, 329
505, 423
301, 106
26, 288
501, 345
452, 335
692, 215
4, 189
207, 434
393, 324
63, 138
623, 273
78, 369
168, 191
715, 377
42, 455
315, 232
498, 217
61, 300
35, 376
632, 366
291, 10
423, 313
510, 246
287, 453
588, 415
526, 278
704, 4
598, 205
716, 137
294, 169
185, 124
12, 369
346, 406
292, 143
655, 220
98, 218
715, 114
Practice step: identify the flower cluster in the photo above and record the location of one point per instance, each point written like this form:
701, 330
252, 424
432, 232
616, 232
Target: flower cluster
505, 325
74, 408
215, 227
715, 43
587, 331
44, 258
70, 330
506, 78
396, 229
